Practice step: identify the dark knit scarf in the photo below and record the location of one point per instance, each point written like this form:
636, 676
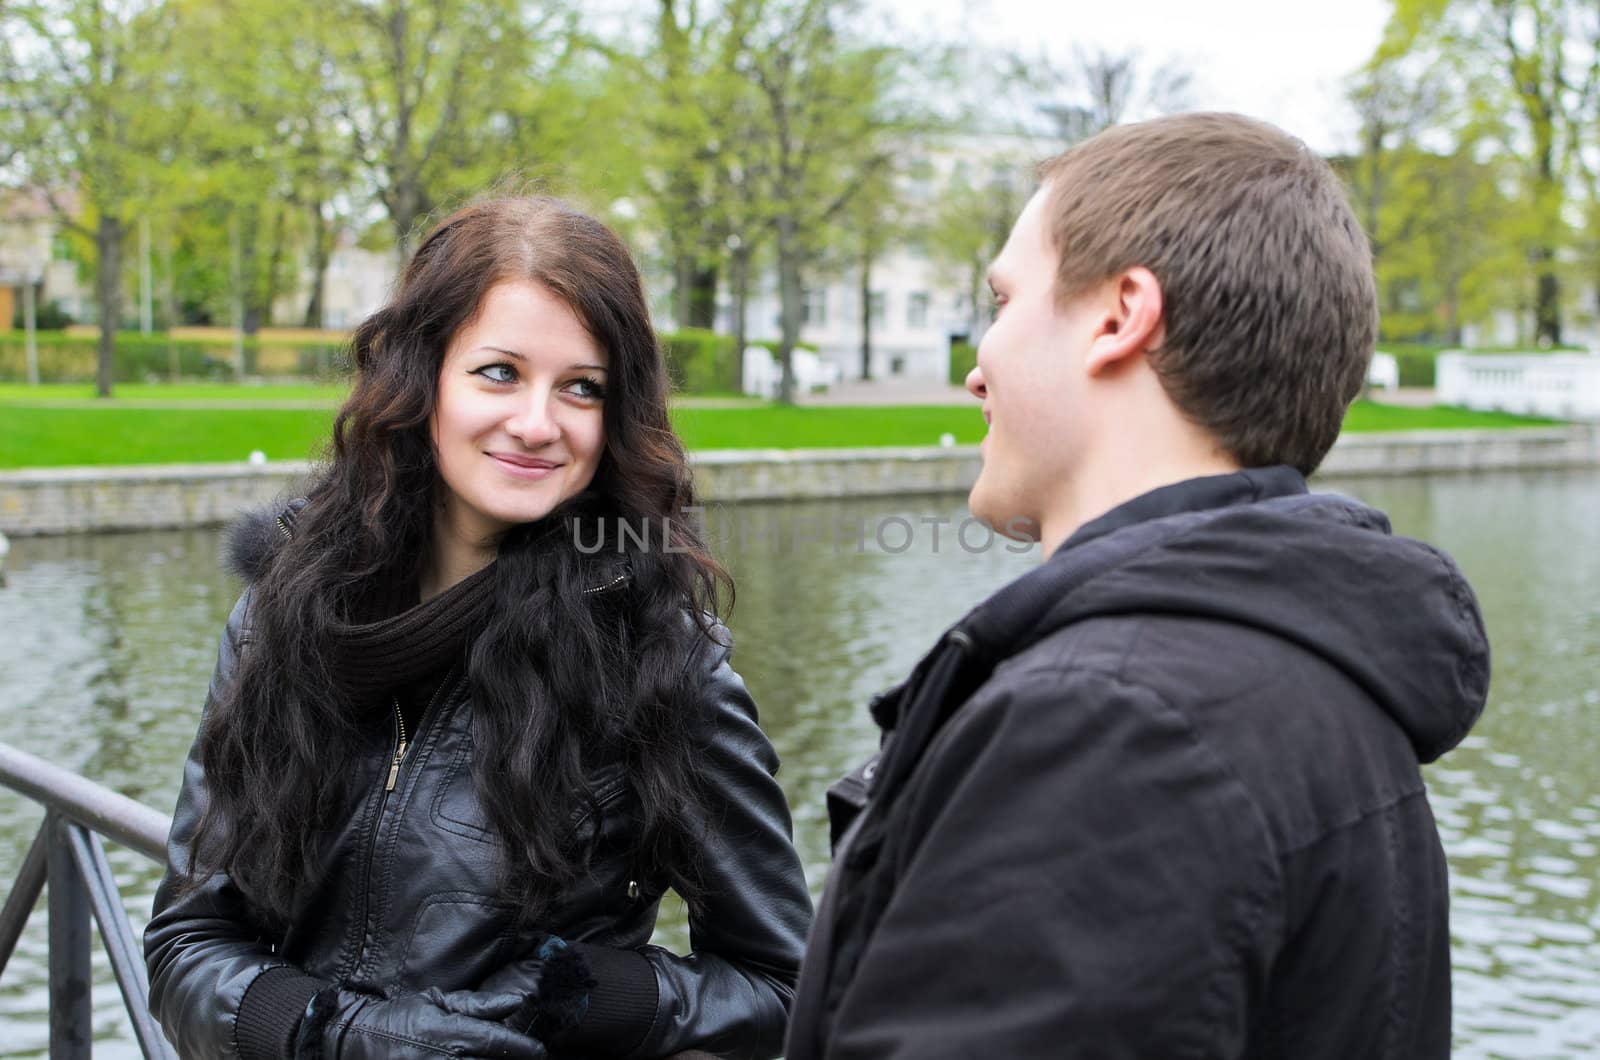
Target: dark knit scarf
391, 645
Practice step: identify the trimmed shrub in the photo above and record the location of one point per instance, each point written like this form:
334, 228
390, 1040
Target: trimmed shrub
48, 316
963, 359
700, 361
71, 358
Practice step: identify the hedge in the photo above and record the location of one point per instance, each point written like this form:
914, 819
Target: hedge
700, 361
139, 358
963, 359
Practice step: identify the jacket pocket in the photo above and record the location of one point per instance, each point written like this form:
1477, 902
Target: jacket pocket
458, 809
456, 940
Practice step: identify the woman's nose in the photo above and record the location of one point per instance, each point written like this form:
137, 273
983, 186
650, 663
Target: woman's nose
532, 424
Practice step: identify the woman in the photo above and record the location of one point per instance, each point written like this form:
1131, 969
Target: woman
443, 737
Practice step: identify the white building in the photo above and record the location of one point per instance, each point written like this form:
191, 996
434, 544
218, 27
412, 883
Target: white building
33, 250
356, 284
914, 316
917, 305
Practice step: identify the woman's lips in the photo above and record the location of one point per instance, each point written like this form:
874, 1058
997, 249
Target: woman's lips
525, 467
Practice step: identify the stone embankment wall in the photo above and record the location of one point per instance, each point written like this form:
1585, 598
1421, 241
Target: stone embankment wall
81, 500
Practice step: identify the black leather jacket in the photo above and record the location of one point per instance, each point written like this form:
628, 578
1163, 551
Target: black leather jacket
408, 900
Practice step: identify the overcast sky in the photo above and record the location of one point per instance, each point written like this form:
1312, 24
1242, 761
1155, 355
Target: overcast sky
1281, 60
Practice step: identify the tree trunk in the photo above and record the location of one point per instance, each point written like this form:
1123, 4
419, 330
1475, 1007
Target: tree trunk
975, 293
1452, 310
741, 297
703, 297
408, 205
866, 315
269, 290
108, 298
790, 294
169, 279
1547, 307
249, 288
682, 281
321, 252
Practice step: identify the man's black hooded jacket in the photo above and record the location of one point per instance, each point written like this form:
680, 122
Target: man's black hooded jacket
1161, 798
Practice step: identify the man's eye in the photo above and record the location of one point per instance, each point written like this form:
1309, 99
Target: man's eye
497, 373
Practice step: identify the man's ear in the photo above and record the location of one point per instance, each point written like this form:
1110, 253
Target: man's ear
1133, 321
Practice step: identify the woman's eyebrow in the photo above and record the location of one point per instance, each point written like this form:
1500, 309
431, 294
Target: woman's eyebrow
502, 350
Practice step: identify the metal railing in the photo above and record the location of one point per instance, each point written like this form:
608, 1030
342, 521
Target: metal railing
69, 854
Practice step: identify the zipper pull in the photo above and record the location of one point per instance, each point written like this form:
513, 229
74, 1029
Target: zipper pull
394, 767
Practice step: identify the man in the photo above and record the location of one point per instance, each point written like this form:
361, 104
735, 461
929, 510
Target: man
1161, 797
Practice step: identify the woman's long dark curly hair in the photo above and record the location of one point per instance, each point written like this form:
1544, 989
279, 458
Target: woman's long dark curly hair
559, 677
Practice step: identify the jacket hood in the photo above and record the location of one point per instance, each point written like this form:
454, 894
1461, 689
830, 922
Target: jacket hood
1320, 570
255, 536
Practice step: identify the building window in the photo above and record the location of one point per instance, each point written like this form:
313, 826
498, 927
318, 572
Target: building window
814, 308
877, 308
917, 310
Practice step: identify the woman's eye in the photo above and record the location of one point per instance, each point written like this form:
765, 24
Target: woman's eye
591, 389
497, 373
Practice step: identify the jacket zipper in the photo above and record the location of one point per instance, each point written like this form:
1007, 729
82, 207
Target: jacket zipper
399, 750
383, 806
612, 584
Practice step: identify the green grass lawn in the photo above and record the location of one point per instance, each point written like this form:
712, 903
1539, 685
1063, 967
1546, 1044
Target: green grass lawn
175, 393
42, 432
1370, 416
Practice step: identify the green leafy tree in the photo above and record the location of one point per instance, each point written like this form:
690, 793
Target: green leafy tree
437, 97
832, 122
94, 119
1523, 60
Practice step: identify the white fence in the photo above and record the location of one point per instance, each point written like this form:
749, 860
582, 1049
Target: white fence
763, 374
1559, 385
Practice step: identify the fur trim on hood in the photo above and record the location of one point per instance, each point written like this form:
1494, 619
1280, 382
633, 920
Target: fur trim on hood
255, 538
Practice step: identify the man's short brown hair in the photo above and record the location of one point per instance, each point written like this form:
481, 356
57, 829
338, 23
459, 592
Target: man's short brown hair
1269, 301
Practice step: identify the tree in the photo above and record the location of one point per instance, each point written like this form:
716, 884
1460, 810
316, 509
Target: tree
1097, 89
1538, 87
970, 221
1057, 105
878, 219
265, 144
87, 88
433, 93
1442, 229
831, 124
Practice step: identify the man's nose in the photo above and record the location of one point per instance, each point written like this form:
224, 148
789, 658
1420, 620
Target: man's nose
975, 384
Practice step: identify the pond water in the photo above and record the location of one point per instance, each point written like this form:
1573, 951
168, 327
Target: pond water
107, 642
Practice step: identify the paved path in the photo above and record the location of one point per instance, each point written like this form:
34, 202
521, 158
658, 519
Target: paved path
893, 391
1414, 397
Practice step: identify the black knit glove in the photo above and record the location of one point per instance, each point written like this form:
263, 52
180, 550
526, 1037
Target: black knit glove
554, 985
344, 1025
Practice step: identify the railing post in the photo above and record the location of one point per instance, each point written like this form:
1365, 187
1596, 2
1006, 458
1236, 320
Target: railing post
71, 1017
24, 894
